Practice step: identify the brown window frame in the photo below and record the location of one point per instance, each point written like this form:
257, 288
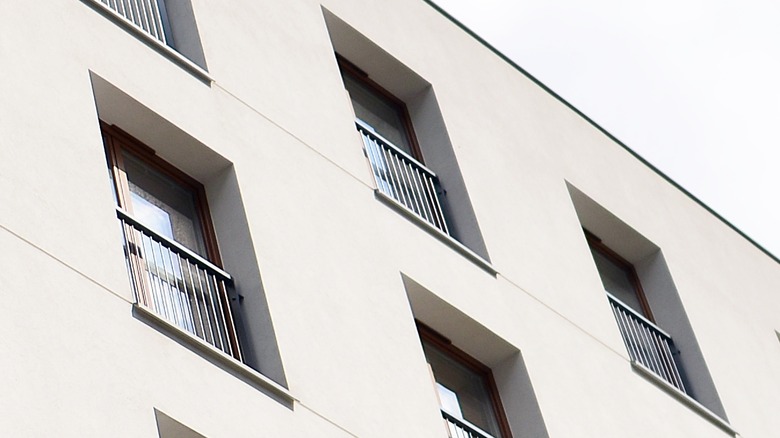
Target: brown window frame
115, 140
443, 344
599, 246
348, 68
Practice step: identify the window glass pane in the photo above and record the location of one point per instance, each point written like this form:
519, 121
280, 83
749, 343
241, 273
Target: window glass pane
163, 205
617, 281
378, 112
113, 185
463, 392
449, 400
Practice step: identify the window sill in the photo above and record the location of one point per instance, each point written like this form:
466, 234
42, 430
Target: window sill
152, 42
683, 398
215, 356
439, 234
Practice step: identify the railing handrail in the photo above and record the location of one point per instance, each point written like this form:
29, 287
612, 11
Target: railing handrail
173, 245
366, 128
639, 316
465, 424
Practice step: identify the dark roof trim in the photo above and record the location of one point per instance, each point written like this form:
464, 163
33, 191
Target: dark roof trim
597, 126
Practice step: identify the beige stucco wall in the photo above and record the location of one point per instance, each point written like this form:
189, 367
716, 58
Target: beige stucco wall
331, 257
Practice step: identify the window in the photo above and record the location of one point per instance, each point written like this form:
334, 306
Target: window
391, 147
647, 307
170, 246
466, 391
647, 343
379, 110
405, 140
618, 276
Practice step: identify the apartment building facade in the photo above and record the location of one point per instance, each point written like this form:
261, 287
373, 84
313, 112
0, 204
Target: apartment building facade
347, 218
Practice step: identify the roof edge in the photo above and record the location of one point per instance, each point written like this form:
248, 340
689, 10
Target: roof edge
599, 127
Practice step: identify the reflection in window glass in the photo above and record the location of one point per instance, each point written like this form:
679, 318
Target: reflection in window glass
449, 400
463, 392
163, 205
381, 114
617, 280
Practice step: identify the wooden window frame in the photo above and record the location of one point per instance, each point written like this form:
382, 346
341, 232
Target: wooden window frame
599, 246
444, 345
115, 140
349, 69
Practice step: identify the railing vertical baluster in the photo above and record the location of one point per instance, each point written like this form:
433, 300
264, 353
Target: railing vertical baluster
414, 205
214, 312
230, 322
228, 347
661, 356
674, 370
369, 147
460, 428
393, 179
636, 340
401, 183
435, 197
215, 320
426, 208
208, 335
644, 345
161, 275
158, 20
187, 295
133, 8
156, 285
408, 186
176, 302
381, 175
203, 309
410, 183
630, 335
147, 15
403, 178
132, 259
139, 6
165, 282
430, 193
151, 22
622, 327
120, 7
389, 180
403, 196
658, 356
154, 19
647, 344
197, 311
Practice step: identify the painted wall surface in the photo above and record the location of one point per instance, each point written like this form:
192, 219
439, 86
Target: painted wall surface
331, 264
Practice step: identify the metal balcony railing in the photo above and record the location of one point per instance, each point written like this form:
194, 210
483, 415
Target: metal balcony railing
179, 286
403, 178
149, 15
458, 428
647, 344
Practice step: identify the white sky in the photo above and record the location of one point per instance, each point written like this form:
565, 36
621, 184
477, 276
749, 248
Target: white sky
693, 86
